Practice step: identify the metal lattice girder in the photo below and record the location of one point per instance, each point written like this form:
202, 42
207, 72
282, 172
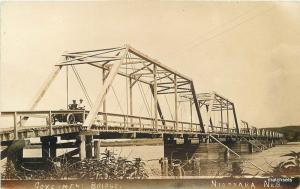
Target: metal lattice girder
131, 63
138, 66
103, 90
214, 102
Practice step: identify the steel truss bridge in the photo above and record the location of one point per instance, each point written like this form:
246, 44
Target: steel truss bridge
205, 114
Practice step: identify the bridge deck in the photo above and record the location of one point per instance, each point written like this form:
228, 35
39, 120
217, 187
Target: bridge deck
112, 123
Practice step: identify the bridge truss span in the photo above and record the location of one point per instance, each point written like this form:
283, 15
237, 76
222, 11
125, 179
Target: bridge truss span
140, 71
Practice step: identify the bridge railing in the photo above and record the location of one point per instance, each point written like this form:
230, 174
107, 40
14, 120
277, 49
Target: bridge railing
144, 123
110, 121
221, 130
107, 121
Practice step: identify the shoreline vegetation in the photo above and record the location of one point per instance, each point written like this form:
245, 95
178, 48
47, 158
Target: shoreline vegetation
115, 167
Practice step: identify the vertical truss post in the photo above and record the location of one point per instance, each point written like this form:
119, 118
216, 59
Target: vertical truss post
67, 85
191, 112
209, 122
227, 115
130, 101
103, 91
235, 120
104, 101
209, 110
222, 115
197, 107
176, 102
248, 129
158, 107
155, 96
15, 126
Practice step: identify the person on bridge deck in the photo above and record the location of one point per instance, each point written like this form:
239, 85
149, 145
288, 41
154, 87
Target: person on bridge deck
80, 105
73, 106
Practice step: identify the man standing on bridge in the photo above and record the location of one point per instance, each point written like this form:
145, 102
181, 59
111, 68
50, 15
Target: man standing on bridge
80, 105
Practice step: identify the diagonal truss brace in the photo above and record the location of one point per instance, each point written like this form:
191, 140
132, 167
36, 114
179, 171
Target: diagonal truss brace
210, 106
103, 91
41, 92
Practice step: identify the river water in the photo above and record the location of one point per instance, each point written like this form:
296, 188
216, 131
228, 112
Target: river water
213, 167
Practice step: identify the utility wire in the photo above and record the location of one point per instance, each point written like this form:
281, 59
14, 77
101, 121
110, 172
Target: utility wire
142, 92
231, 28
82, 85
225, 30
216, 27
119, 103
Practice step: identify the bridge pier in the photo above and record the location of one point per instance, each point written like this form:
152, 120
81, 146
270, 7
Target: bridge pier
204, 152
48, 148
250, 147
226, 155
97, 149
199, 153
85, 147
239, 146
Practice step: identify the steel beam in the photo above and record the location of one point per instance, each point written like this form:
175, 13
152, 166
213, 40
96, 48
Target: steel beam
176, 102
235, 120
155, 96
197, 107
103, 90
42, 92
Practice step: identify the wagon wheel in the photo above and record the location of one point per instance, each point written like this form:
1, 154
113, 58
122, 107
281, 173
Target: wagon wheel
71, 118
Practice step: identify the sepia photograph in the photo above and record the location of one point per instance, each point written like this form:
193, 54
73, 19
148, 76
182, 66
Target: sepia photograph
149, 94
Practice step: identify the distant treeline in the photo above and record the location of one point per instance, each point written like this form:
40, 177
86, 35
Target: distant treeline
291, 133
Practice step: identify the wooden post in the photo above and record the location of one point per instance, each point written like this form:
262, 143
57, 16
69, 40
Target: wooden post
250, 146
164, 166
176, 102
82, 148
97, 149
196, 167
52, 147
45, 149
89, 147
155, 97
226, 155
15, 126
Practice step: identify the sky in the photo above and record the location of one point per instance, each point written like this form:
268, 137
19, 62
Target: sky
246, 51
